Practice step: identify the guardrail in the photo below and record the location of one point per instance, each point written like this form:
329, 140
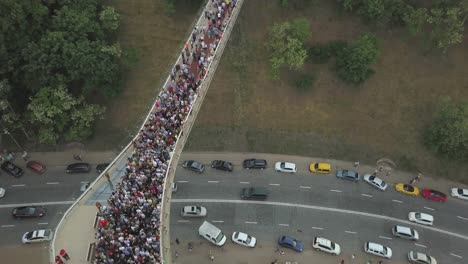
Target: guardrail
181, 139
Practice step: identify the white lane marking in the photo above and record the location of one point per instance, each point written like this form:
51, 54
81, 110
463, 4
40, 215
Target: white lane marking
18, 185
335, 191
320, 208
419, 245
8, 225
183, 221
274, 184
52, 183
305, 187
462, 217
458, 256
44, 203
397, 201
384, 237
283, 224
317, 228
42, 223
253, 223
244, 182
217, 221
182, 181
213, 181
428, 208
350, 232
367, 195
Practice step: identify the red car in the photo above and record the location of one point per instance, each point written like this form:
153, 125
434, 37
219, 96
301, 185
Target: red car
434, 195
36, 167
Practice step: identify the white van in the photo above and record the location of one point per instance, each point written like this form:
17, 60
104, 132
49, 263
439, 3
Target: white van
377, 249
212, 234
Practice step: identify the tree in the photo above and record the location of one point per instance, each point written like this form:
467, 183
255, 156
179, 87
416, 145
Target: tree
448, 133
286, 45
447, 26
353, 62
110, 19
415, 19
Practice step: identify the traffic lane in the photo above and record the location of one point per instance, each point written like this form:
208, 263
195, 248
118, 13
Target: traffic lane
267, 223
13, 229
20, 254
57, 191
328, 191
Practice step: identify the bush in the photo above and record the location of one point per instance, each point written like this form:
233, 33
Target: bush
305, 82
321, 53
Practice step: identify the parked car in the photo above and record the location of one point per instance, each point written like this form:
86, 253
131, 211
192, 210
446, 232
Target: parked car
283, 166
36, 166
193, 211
254, 193
2, 192
193, 166
407, 189
421, 218
12, 169
255, 164
375, 182
28, 212
326, 245
244, 239
81, 167
348, 175
405, 232
291, 243
459, 193
221, 165
378, 250
434, 195
37, 236
420, 258
320, 167
101, 167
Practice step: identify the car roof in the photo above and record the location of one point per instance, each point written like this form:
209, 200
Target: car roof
403, 229
241, 236
421, 256
426, 217
375, 246
324, 165
323, 241
39, 233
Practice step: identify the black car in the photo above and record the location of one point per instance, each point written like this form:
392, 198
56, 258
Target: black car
101, 167
221, 165
255, 164
81, 167
28, 212
12, 169
193, 166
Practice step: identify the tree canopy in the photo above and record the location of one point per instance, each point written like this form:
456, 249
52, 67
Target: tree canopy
287, 45
57, 50
448, 133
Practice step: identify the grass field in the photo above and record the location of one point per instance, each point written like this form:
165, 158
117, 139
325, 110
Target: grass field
158, 39
384, 117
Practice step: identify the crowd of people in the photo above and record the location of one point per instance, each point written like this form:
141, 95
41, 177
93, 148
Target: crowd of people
129, 225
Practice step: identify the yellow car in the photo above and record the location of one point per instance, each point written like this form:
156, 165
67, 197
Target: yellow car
407, 189
320, 167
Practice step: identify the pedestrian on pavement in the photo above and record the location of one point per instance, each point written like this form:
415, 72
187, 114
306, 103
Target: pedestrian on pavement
177, 241
353, 256
25, 155
342, 261
211, 257
64, 254
58, 260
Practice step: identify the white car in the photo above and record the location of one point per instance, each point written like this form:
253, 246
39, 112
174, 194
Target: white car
326, 245
378, 250
420, 258
405, 232
375, 182
421, 218
243, 239
37, 236
193, 211
459, 193
2, 192
283, 166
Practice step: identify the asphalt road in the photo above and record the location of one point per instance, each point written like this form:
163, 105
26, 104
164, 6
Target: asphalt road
267, 222
55, 188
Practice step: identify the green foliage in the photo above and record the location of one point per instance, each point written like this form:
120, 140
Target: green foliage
448, 133
284, 3
415, 19
110, 19
353, 62
378, 11
305, 82
286, 45
56, 112
169, 7
321, 53
447, 26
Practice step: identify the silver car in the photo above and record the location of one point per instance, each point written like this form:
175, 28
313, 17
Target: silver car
193, 211
37, 236
375, 182
420, 258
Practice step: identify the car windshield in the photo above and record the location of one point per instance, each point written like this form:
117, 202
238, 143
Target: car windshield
294, 243
417, 215
28, 235
436, 193
283, 165
249, 238
316, 166
371, 178
197, 209
460, 191
219, 237
31, 210
384, 250
46, 233
332, 245
409, 188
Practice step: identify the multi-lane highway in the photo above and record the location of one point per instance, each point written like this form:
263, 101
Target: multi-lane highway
305, 205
